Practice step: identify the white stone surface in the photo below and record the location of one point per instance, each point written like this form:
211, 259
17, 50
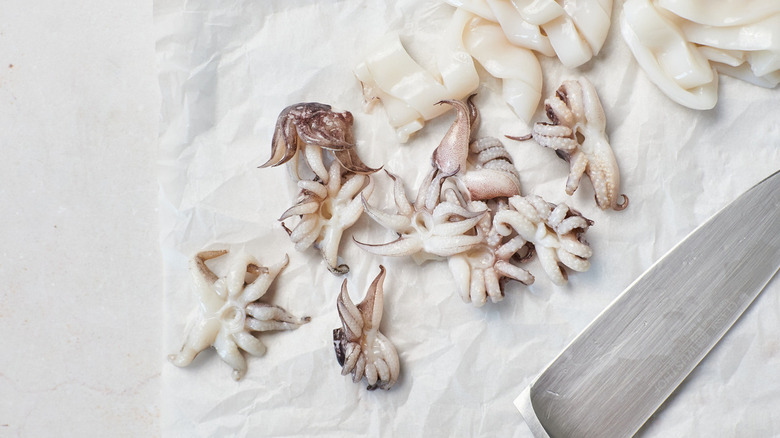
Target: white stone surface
227, 69
80, 305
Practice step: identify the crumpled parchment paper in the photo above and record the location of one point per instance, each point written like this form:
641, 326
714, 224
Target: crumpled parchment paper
227, 69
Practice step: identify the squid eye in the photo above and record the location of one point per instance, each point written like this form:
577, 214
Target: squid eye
551, 115
563, 154
338, 345
563, 96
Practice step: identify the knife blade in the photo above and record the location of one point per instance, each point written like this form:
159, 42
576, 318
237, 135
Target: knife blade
620, 369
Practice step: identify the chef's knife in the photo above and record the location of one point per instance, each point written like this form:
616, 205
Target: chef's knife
622, 367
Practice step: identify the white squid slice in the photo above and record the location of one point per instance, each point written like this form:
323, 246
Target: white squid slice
592, 19
669, 60
764, 62
391, 71
518, 31
760, 68
723, 56
571, 49
480, 8
744, 72
538, 12
726, 13
517, 67
761, 35
397, 74
405, 119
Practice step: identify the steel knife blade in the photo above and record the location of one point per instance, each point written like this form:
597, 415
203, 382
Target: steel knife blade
620, 369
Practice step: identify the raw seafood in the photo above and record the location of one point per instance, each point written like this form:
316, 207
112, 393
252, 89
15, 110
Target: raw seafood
670, 61
572, 30
517, 67
427, 229
577, 133
554, 230
483, 165
304, 130
326, 210
328, 202
481, 272
230, 311
682, 45
493, 173
469, 209
361, 349
408, 91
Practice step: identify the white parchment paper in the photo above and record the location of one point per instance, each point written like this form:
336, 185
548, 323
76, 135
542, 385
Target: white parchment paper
227, 69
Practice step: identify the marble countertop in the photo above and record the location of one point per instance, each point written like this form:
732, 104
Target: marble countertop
80, 312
